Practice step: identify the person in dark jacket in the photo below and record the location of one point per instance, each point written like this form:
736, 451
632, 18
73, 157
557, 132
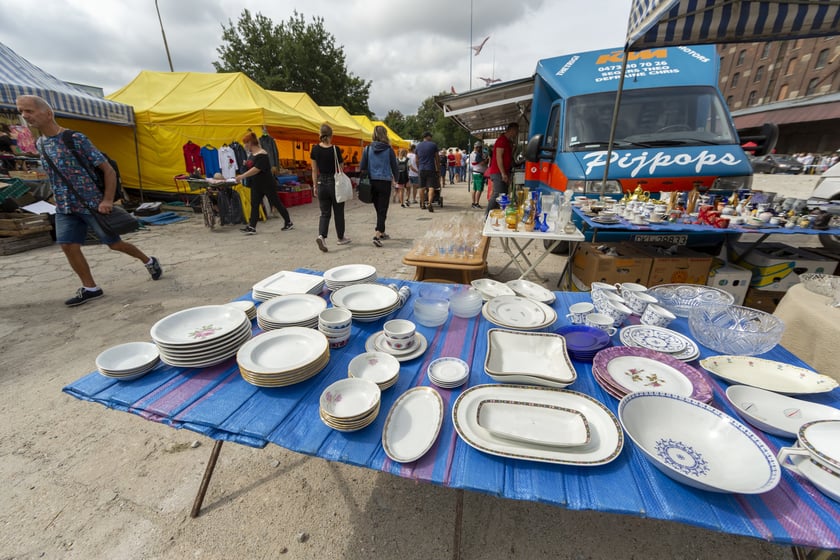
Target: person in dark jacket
380, 162
262, 183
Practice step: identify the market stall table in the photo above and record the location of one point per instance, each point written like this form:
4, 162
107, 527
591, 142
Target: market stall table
440, 267
812, 329
510, 241
217, 402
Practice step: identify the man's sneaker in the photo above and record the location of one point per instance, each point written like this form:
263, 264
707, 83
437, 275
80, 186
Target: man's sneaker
431, 208
248, 230
288, 226
343, 241
83, 296
478, 206
377, 242
322, 245
154, 268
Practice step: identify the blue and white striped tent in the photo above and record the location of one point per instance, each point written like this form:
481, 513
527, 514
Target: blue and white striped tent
20, 77
663, 23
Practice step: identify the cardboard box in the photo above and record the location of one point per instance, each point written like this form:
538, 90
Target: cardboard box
730, 278
776, 266
627, 264
763, 300
827, 254
677, 265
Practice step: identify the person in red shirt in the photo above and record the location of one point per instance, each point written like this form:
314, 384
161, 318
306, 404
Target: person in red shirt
501, 163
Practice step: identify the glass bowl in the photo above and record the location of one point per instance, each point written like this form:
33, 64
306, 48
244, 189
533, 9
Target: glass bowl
431, 312
822, 284
733, 329
680, 299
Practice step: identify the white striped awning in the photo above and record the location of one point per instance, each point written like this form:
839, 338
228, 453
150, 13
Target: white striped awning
20, 77
663, 23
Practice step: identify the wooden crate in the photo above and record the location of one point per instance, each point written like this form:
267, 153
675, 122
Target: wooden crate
13, 224
12, 245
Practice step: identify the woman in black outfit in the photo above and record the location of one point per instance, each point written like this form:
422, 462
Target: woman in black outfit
262, 183
324, 156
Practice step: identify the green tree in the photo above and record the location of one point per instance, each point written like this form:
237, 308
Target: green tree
446, 132
292, 56
395, 121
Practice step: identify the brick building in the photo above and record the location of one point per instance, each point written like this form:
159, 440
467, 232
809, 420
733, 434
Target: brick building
795, 84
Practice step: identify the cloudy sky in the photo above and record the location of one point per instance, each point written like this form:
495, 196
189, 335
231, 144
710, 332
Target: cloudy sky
408, 50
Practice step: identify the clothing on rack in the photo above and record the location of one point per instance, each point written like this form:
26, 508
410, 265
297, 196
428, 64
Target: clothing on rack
210, 155
192, 158
241, 157
267, 143
227, 162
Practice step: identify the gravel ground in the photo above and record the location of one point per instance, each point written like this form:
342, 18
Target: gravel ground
82, 481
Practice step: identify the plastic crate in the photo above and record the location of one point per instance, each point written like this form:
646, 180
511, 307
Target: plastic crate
15, 189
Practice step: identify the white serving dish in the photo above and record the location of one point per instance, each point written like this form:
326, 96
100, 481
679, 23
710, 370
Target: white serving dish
777, 414
534, 423
517, 312
824, 480
605, 444
198, 325
526, 288
379, 367
413, 424
490, 288
541, 356
768, 374
350, 398
822, 439
129, 357
698, 445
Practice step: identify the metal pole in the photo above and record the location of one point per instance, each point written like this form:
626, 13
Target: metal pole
614, 123
163, 33
469, 50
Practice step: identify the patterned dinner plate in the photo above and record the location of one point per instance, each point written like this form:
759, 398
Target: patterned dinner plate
654, 338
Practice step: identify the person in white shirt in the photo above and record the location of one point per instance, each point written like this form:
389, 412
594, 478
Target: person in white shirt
413, 176
478, 165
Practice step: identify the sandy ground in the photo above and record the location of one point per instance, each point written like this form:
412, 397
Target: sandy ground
82, 481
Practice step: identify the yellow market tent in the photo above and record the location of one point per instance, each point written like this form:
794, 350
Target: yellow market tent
303, 103
368, 126
172, 108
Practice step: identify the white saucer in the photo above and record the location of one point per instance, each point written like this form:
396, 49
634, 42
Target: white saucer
416, 350
448, 372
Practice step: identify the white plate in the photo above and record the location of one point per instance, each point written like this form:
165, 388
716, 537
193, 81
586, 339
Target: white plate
379, 367
127, 357
198, 325
290, 309
777, 414
637, 373
605, 444
349, 398
491, 288
689, 353
656, 338
536, 355
413, 424
348, 273
213, 347
289, 282
822, 439
529, 289
283, 350
768, 374
448, 372
247, 306
417, 350
534, 423
365, 298
517, 312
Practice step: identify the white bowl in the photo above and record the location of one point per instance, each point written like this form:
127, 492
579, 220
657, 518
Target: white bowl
350, 398
378, 367
335, 318
127, 357
698, 445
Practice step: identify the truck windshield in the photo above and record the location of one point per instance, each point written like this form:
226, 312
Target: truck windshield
678, 116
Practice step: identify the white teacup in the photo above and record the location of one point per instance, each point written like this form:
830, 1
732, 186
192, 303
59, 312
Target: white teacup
626, 288
618, 311
657, 316
399, 333
335, 318
638, 301
601, 321
578, 312
603, 297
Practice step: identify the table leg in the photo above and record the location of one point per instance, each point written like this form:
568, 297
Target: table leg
205, 481
459, 522
514, 257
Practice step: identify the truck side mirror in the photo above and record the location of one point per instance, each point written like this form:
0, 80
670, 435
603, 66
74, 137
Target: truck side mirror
533, 149
765, 139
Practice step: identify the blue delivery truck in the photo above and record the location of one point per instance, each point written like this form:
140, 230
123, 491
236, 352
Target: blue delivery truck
673, 132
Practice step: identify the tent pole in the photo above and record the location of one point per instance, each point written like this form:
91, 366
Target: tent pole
137, 154
614, 123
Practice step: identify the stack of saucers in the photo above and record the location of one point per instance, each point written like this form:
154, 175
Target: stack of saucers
335, 323
201, 336
287, 282
128, 361
283, 357
247, 306
349, 274
367, 302
448, 372
583, 342
350, 404
293, 310
379, 367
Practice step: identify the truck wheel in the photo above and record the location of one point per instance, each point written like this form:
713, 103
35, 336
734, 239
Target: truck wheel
561, 249
829, 241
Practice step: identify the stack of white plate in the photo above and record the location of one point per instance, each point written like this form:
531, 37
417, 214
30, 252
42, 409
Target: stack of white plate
283, 357
247, 306
349, 274
293, 310
448, 373
201, 336
379, 367
517, 312
660, 339
526, 288
128, 361
367, 302
286, 282
350, 404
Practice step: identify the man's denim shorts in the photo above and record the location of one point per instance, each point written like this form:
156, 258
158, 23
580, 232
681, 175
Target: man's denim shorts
72, 228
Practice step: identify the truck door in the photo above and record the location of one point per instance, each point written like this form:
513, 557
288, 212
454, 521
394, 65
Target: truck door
545, 170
